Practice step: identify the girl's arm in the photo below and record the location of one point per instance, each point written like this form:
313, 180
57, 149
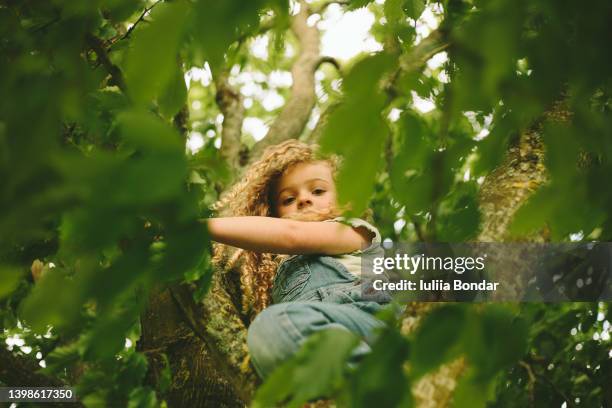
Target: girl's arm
285, 236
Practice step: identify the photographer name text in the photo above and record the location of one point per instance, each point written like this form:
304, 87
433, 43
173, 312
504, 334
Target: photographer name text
434, 285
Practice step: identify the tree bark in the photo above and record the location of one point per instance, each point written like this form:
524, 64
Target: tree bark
204, 344
21, 371
18, 371
230, 102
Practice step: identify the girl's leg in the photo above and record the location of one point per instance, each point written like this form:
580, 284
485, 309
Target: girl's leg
280, 330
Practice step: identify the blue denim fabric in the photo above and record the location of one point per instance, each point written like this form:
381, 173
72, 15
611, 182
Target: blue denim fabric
311, 293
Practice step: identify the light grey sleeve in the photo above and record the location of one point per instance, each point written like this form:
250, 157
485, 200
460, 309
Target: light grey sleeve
359, 223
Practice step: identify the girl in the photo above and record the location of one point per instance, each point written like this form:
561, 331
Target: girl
298, 254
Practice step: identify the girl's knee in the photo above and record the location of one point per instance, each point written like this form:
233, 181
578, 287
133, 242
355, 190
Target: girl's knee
267, 340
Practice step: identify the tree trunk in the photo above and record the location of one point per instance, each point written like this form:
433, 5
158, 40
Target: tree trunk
204, 344
503, 192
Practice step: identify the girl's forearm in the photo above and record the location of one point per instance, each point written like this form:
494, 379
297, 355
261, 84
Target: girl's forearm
259, 234
285, 236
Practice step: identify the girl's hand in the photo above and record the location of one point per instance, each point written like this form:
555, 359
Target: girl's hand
285, 236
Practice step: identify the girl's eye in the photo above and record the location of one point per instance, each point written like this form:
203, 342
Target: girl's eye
318, 191
287, 201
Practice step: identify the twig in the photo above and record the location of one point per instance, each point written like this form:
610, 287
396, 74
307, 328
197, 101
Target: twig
141, 18
330, 60
434, 43
265, 26
96, 45
47, 24
413, 60
532, 380
418, 229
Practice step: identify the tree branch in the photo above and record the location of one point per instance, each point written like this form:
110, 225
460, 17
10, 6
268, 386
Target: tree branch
434, 43
504, 191
197, 377
521, 172
413, 60
230, 102
218, 325
293, 117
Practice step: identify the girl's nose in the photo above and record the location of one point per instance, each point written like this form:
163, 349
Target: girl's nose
304, 202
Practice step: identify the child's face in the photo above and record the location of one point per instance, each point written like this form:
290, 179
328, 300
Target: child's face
305, 187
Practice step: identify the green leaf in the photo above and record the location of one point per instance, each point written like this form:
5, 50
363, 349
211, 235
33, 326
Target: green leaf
393, 11
133, 372
459, 215
495, 340
186, 248
411, 146
62, 357
535, 212
491, 150
143, 130
489, 48
95, 399
150, 180
93, 229
499, 340
43, 308
562, 148
563, 208
119, 10
9, 279
355, 4
414, 8
202, 276
217, 24
438, 338
108, 335
360, 118
174, 96
142, 397
411, 182
151, 62
165, 378
380, 379
471, 393
315, 371
413, 190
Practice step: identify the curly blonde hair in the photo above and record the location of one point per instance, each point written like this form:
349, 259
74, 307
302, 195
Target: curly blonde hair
252, 195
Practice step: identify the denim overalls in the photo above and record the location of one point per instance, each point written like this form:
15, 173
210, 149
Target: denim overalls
311, 293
